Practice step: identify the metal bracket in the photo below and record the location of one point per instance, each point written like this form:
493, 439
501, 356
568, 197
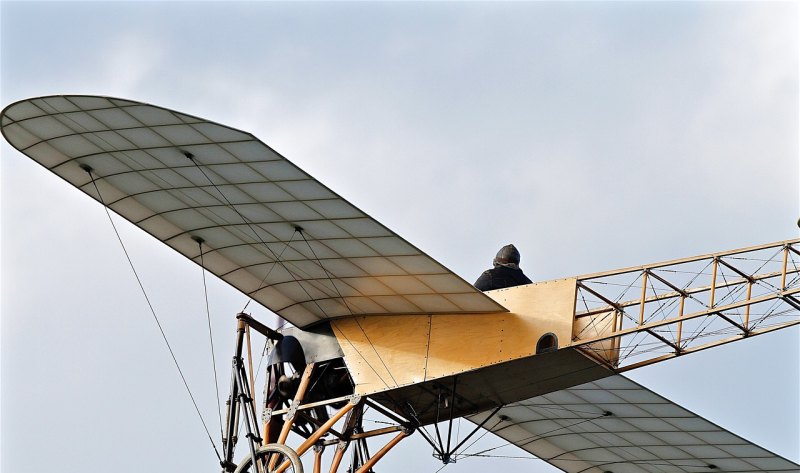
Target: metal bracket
266, 415
292, 410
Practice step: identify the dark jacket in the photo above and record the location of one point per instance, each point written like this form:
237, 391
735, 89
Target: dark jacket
500, 277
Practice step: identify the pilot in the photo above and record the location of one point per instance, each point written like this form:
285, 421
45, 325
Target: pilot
506, 271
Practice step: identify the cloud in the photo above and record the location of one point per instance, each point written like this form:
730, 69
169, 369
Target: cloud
592, 135
131, 61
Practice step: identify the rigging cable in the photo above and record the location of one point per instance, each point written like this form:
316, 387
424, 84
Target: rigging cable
89, 170
250, 224
327, 273
264, 279
200, 242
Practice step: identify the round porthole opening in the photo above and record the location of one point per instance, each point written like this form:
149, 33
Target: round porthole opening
547, 343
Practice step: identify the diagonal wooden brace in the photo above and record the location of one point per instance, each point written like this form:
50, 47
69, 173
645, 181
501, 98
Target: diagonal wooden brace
337, 456
383, 451
324, 428
298, 398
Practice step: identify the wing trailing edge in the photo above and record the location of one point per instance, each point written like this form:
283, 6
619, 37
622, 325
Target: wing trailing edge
616, 425
262, 224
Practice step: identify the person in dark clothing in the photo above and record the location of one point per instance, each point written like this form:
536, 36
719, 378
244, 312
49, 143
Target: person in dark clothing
506, 271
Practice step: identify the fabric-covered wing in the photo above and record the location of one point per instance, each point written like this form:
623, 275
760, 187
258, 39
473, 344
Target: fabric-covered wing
616, 425
267, 227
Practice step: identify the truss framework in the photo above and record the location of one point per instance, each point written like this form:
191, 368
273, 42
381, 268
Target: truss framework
642, 315
336, 422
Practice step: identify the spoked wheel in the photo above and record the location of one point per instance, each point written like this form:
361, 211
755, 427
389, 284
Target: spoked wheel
270, 459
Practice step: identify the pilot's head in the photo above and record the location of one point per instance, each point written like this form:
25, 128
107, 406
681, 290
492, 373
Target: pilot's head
507, 255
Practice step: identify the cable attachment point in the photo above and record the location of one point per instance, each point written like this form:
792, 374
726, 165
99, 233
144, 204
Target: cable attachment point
86, 168
298, 228
188, 155
292, 410
266, 414
199, 240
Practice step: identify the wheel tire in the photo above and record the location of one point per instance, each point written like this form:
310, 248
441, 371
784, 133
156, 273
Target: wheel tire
284, 453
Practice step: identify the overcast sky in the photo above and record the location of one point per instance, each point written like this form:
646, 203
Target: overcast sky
591, 135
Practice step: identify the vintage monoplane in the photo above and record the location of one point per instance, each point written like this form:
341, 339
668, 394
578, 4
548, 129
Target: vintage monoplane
379, 325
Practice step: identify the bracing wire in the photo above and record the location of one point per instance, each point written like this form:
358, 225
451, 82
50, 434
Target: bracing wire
152, 310
210, 336
486, 431
264, 279
344, 301
327, 273
441, 468
250, 225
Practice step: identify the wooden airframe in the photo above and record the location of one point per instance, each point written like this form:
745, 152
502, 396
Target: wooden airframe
380, 324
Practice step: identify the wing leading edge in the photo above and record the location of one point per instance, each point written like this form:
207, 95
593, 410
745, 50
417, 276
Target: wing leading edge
262, 224
616, 425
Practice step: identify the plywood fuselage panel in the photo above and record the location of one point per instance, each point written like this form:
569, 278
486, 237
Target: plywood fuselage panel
493, 355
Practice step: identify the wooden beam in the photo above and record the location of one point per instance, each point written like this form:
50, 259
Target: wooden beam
693, 315
632, 269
